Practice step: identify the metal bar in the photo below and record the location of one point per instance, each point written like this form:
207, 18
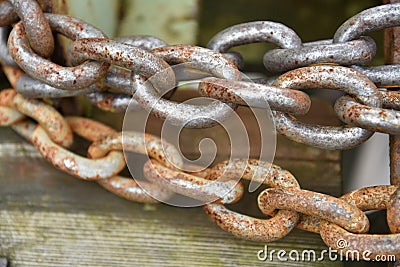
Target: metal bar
392, 56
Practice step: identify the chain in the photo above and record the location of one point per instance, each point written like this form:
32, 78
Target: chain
114, 75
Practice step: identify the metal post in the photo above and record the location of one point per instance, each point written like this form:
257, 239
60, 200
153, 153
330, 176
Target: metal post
392, 56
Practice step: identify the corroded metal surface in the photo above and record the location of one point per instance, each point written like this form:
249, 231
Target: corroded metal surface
371, 118
243, 226
48, 117
377, 245
372, 19
331, 77
392, 212
353, 52
256, 95
80, 167
143, 71
67, 78
193, 186
317, 205
145, 144
37, 27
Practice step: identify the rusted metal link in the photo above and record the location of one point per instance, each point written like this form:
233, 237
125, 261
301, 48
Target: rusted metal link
119, 93
394, 144
89, 129
129, 189
372, 19
113, 102
191, 116
385, 76
145, 144
236, 58
357, 52
12, 74
199, 58
315, 204
181, 114
243, 226
332, 77
256, 95
7, 14
249, 228
119, 80
338, 238
5, 57
145, 42
251, 169
192, 186
124, 187
369, 198
67, 78
133, 58
253, 32
371, 118
9, 116
390, 99
393, 209
80, 167
37, 28
48, 117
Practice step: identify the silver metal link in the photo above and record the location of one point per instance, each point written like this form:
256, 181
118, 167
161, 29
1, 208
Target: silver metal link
255, 32
5, 57
32, 88
358, 51
332, 77
369, 20
386, 75
145, 42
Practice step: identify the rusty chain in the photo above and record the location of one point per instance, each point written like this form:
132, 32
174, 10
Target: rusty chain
113, 75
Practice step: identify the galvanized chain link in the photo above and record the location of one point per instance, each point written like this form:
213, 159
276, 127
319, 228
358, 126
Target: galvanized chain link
113, 73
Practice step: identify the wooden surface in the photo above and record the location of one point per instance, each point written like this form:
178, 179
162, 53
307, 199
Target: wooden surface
48, 218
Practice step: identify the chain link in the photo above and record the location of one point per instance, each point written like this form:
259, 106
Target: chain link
125, 72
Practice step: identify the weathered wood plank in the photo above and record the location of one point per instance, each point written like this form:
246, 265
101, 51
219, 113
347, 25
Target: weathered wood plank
48, 218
